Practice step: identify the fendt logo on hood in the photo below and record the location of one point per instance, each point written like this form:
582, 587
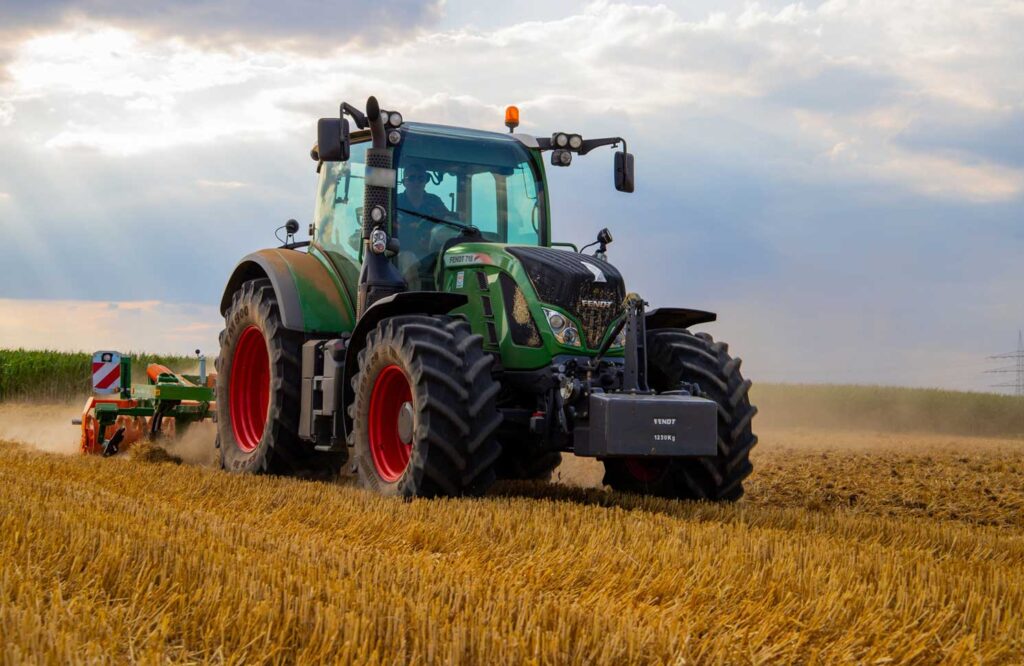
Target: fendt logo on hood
598, 273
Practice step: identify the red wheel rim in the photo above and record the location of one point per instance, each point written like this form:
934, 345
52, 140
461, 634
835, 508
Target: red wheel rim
645, 471
249, 389
390, 454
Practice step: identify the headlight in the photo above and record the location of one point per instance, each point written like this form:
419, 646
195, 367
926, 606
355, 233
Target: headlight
378, 241
563, 329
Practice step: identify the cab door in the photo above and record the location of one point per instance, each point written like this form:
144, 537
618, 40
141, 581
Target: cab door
338, 215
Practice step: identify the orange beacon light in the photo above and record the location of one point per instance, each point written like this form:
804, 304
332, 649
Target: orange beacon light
512, 118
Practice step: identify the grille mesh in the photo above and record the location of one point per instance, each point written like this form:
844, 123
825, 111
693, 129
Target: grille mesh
562, 278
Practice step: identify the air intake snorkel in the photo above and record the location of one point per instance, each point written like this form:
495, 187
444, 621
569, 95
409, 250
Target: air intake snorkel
379, 277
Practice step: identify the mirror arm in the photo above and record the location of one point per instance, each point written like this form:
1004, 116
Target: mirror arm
356, 114
544, 143
590, 144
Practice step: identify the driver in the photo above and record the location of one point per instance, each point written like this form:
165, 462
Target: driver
414, 232
415, 198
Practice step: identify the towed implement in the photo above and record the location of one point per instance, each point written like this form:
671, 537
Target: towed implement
433, 335
122, 413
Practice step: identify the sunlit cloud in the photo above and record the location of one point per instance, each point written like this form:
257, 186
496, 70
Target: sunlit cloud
151, 326
222, 184
118, 93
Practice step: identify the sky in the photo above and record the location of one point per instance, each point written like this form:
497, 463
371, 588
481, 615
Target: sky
842, 181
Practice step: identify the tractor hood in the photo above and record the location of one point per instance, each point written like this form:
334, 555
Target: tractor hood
589, 289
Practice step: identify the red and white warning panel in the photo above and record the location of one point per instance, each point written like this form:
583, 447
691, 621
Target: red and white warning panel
106, 372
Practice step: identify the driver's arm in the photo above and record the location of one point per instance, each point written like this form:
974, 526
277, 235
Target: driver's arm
435, 207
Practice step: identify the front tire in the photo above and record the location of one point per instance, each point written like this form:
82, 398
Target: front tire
674, 356
423, 411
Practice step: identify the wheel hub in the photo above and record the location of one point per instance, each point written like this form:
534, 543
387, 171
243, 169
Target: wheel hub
405, 423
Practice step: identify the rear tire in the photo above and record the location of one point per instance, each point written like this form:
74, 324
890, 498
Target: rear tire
674, 356
423, 412
258, 378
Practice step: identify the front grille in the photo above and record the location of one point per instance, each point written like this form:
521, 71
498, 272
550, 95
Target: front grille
520, 321
563, 278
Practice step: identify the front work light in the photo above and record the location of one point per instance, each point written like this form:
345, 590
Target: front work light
378, 241
561, 157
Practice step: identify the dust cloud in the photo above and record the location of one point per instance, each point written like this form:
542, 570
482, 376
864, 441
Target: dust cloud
46, 427
579, 472
197, 446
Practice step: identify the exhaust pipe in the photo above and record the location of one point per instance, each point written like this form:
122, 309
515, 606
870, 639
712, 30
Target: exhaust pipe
377, 135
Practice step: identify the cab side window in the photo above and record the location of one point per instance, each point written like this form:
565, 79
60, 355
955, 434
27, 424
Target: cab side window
339, 205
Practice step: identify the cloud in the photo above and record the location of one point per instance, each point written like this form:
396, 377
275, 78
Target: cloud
67, 325
832, 78
301, 24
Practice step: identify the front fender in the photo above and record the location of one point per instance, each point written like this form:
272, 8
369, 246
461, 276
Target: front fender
402, 303
308, 295
677, 318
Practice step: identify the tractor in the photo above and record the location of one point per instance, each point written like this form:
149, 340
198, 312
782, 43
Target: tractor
431, 337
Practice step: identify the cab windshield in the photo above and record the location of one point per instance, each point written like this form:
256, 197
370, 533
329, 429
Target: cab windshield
449, 180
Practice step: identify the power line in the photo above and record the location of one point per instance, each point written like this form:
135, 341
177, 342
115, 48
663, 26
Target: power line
1017, 368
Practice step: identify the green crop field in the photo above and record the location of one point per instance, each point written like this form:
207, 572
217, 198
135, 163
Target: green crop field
59, 376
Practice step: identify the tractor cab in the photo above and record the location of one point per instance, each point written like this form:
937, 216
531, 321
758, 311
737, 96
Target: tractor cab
450, 184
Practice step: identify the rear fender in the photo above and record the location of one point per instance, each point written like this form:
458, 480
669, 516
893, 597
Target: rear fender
310, 299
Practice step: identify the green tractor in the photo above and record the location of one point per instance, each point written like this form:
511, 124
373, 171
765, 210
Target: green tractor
433, 337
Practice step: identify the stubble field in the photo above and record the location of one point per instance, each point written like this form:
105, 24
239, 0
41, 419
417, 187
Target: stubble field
850, 547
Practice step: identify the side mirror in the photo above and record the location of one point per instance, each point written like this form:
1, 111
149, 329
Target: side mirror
624, 171
332, 139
